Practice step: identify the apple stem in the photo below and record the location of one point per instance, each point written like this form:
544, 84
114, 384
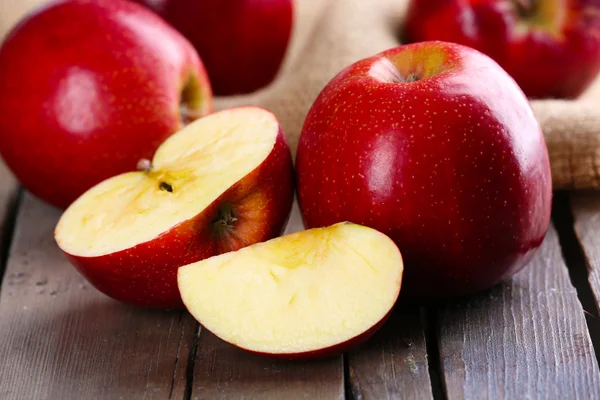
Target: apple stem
526, 8
412, 78
144, 165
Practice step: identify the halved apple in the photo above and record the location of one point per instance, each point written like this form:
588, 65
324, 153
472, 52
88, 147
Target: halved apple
309, 294
221, 183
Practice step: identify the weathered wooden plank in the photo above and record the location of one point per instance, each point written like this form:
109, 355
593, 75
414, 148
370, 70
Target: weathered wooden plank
526, 338
225, 372
61, 339
586, 216
393, 364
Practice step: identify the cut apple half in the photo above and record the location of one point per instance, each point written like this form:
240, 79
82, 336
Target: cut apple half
223, 182
309, 294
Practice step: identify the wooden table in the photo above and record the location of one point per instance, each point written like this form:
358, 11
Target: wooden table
528, 338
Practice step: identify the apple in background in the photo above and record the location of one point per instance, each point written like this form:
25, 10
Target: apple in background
241, 42
310, 294
87, 88
436, 146
550, 47
223, 182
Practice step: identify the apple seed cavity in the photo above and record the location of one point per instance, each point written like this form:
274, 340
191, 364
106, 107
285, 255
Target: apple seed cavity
165, 186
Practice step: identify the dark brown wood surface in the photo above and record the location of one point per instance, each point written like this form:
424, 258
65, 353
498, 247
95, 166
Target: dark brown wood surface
225, 372
526, 338
61, 339
393, 364
586, 215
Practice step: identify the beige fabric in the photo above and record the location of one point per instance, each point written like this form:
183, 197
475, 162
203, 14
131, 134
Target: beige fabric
331, 34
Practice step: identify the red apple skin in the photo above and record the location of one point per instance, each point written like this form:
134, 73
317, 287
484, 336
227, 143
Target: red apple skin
328, 351
453, 168
146, 275
241, 42
543, 64
87, 89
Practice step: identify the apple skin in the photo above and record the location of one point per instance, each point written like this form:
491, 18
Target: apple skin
241, 42
87, 89
546, 65
331, 351
453, 168
146, 275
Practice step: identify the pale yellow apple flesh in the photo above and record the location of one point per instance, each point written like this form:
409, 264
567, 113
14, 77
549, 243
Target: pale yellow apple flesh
299, 293
189, 171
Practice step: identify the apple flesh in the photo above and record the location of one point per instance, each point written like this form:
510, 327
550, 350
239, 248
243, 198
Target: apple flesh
241, 42
436, 146
550, 47
309, 294
223, 182
87, 88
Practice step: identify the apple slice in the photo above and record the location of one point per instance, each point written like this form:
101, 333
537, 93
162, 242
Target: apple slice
221, 183
309, 294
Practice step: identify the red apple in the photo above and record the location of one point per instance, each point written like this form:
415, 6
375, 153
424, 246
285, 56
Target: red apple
550, 47
309, 294
223, 182
436, 146
242, 42
87, 88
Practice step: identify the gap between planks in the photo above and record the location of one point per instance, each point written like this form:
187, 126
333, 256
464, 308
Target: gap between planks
10, 207
523, 338
10, 199
577, 264
584, 209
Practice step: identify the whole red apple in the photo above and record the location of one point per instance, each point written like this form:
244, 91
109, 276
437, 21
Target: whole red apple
222, 183
242, 42
436, 146
88, 88
550, 47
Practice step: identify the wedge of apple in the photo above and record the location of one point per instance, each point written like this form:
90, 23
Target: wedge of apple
309, 294
221, 183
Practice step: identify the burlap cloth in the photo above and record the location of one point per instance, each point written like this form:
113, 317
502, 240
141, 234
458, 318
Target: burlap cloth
331, 34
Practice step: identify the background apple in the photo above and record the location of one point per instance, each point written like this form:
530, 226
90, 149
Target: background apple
309, 294
241, 42
222, 183
436, 146
87, 88
550, 47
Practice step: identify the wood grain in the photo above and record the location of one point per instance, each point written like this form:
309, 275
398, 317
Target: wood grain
61, 339
225, 372
526, 338
586, 216
393, 364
